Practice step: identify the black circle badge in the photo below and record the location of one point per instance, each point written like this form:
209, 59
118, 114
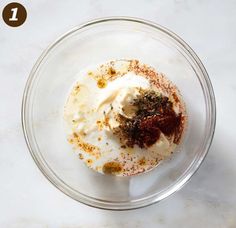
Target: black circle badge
14, 14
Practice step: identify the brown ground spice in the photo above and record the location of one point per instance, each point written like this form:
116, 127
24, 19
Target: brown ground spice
154, 115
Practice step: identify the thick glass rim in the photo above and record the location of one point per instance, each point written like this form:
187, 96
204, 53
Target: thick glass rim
142, 202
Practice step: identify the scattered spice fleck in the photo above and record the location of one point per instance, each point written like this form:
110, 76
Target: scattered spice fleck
70, 140
112, 71
99, 125
112, 168
89, 161
175, 97
101, 83
86, 147
75, 135
142, 161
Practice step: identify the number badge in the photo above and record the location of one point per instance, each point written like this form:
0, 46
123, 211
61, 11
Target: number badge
14, 14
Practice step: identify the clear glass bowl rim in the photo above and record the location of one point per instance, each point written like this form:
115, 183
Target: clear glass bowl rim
142, 202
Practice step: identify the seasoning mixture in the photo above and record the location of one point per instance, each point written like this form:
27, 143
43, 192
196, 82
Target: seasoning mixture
124, 118
154, 115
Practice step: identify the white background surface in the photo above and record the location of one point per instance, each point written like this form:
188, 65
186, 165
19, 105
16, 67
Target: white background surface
27, 199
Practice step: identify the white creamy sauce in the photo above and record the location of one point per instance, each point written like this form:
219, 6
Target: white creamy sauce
84, 115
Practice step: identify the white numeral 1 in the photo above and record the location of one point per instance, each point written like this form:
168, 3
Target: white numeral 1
14, 12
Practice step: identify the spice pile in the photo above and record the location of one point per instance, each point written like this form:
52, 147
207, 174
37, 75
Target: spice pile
154, 115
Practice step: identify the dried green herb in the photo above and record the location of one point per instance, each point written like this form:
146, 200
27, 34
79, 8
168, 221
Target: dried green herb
154, 114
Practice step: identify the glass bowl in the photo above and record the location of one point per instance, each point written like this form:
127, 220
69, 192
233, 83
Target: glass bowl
97, 42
